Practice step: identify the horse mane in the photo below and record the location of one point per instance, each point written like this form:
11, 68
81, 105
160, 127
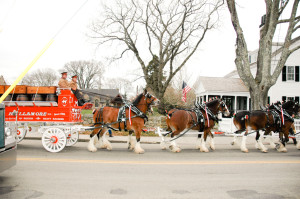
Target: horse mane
288, 103
137, 99
212, 103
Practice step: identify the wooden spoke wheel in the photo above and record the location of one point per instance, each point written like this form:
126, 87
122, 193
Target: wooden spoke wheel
54, 139
72, 137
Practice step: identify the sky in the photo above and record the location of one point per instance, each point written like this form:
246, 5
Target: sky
26, 26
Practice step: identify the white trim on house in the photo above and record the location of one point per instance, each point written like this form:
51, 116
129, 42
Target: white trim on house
288, 88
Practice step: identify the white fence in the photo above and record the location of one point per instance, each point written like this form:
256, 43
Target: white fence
227, 126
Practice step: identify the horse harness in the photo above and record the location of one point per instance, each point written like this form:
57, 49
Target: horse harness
278, 118
122, 115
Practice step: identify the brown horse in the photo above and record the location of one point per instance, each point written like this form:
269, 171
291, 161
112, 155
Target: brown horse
180, 120
260, 120
291, 108
107, 117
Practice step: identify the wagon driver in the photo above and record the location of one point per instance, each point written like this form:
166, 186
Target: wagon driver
77, 93
63, 82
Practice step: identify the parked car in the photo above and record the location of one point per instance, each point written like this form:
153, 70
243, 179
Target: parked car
8, 142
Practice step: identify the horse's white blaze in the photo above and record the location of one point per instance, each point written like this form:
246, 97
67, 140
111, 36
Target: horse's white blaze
243, 144
227, 113
91, 146
138, 149
203, 146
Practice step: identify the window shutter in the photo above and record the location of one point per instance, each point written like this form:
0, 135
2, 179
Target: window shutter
297, 99
284, 74
297, 73
283, 98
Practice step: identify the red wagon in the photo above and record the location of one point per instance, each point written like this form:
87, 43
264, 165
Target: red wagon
59, 120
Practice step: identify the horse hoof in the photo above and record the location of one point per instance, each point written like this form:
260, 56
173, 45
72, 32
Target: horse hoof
264, 151
92, 149
245, 150
232, 143
213, 148
204, 150
176, 150
109, 148
284, 150
139, 151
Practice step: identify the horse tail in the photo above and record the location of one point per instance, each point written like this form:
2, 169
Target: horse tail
98, 116
170, 113
240, 119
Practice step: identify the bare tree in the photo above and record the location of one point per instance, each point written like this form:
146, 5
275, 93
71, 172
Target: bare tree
264, 79
122, 84
90, 73
41, 77
161, 34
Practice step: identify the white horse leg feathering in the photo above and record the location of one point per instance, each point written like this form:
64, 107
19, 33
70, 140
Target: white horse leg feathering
212, 143
138, 149
260, 144
91, 146
203, 147
174, 148
131, 142
105, 143
243, 144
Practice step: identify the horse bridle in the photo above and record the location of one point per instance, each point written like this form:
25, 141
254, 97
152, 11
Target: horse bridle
223, 105
148, 95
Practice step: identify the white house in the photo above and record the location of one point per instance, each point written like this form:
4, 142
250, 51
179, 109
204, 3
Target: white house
237, 96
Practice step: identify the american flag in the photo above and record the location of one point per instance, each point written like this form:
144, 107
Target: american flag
185, 90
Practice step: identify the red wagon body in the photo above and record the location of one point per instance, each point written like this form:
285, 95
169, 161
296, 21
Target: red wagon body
65, 110
63, 114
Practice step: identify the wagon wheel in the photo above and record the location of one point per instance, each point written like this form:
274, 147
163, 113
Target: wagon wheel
21, 133
54, 139
72, 137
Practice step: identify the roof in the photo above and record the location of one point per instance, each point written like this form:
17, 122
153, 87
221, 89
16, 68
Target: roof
221, 84
105, 92
2, 81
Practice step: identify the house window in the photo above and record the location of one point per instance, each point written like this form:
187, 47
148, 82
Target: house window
290, 73
250, 59
290, 98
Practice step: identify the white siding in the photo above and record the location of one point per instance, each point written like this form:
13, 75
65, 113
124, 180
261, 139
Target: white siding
288, 88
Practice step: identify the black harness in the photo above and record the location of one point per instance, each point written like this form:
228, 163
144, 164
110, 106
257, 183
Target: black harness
122, 115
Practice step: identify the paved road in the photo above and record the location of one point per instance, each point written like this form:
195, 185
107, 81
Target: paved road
225, 173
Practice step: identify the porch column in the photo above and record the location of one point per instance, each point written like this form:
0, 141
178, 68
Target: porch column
235, 103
